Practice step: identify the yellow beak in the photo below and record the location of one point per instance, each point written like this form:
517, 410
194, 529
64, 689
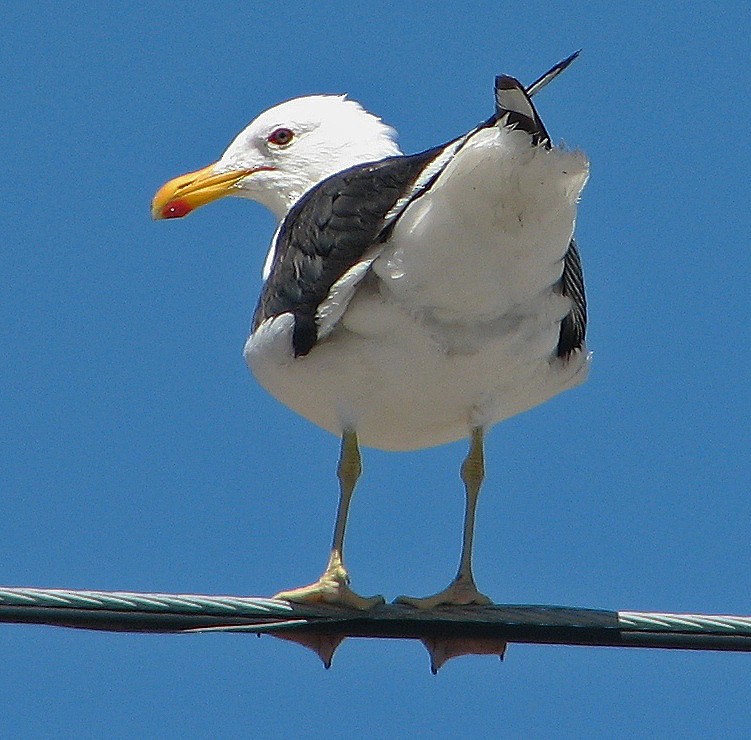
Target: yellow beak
184, 194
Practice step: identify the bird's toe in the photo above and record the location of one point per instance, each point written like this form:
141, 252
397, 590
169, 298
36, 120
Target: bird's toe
461, 592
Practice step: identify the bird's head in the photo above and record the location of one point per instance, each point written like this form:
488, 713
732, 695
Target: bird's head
283, 153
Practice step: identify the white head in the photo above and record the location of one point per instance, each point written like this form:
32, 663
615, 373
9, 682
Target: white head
283, 153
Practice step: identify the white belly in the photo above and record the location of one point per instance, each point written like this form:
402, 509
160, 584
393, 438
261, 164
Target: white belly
458, 322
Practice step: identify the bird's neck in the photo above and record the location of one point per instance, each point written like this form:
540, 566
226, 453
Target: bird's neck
280, 200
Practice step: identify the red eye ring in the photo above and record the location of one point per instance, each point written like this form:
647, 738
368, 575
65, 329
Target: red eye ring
281, 137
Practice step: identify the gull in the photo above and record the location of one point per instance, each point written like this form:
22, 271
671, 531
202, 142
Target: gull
408, 301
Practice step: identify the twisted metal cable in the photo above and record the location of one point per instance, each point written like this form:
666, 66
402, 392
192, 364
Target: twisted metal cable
133, 601
124, 611
716, 623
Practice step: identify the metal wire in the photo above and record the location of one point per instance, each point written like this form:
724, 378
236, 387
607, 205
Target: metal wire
148, 602
123, 611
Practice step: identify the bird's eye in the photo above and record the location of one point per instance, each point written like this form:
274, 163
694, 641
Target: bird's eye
281, 137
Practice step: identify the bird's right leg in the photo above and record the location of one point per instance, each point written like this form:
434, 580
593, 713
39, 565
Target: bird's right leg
462, 590
333, 586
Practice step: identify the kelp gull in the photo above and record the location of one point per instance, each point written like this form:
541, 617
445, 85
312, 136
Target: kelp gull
408, 300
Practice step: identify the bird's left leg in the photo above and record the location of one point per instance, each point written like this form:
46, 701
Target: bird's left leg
463, 590
333, 586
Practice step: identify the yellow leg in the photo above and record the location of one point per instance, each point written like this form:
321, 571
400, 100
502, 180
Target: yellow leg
463, 590
333, 586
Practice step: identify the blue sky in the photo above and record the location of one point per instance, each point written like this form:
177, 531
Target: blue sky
138, 453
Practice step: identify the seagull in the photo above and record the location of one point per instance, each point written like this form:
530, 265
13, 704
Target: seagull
408, 301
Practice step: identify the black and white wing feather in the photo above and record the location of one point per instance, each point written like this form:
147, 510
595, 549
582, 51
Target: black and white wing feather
513, 108
574, 324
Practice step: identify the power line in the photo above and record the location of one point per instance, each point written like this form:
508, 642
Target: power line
445, 631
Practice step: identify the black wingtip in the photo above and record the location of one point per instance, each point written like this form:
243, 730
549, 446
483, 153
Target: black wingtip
506, 82
552, 73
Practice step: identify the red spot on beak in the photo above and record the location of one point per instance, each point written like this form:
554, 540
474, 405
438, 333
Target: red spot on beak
176, 209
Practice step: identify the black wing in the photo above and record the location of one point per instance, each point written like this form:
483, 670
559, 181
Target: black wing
574, 323
328, 231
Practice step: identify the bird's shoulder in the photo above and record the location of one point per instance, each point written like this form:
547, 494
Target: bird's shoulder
328, 232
